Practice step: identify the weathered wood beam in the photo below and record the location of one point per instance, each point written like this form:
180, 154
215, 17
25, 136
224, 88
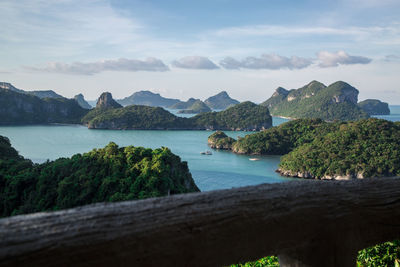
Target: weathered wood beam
306, 223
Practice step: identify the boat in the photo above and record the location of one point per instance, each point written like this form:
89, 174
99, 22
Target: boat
254, 159
206, 152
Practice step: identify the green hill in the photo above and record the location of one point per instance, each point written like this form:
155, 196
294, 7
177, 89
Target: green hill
366, 148
337, 101
374, 107
21, 108
108, 174
244, 116
197, 107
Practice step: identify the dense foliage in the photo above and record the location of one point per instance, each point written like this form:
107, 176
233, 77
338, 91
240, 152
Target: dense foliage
283, 138
315, 100
197, 107
366, 148
21, 108
108, 174
220, 140
244, 116
374, 107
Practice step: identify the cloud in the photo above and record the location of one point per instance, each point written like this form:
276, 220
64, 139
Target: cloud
328, 59
391, 58
266, 61
122, 64
195, 62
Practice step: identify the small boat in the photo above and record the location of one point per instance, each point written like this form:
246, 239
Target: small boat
254, 159
206, 152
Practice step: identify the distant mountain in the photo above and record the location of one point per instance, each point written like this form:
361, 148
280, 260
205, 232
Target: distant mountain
337, 101
148, 98
9, 86
82, 102
197, 107
220, 101
184, 105
374, 107
44, 94
22, 108
245, 116
38, 93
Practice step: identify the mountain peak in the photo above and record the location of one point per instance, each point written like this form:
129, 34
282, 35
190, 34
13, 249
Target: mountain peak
106, 101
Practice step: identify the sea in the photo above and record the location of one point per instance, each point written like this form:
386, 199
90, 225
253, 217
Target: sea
221, 170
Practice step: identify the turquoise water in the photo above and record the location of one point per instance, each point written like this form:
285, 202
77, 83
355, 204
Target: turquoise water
394, 114
221, 170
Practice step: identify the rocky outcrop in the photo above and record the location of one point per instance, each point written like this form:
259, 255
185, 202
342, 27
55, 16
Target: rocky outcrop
219, 140
374, 107
220, 101
308, 175
82, 102
337, 101
106, 101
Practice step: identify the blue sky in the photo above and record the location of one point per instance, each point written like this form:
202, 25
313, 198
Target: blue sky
197, 48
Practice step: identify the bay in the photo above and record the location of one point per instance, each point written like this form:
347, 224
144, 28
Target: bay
220, 170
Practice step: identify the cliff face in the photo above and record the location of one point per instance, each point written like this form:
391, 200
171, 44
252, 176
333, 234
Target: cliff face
21, 108
337, 101
106, 101
220, 101
82, 102
375, 107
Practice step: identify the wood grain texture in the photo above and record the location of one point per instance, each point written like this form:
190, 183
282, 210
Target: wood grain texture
306, 223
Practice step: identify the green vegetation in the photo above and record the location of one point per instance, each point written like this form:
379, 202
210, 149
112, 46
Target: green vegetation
283, 138
374, 107
338, 101
184, 105
366, 148
197, 107
21, 108
244, 116
220, 140
108, 174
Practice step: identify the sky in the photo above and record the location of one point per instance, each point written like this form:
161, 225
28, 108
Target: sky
185, 49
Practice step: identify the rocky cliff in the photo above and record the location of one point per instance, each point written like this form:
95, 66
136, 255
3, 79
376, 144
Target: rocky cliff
82, 102
337, 101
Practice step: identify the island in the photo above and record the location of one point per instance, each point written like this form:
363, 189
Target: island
108, 114
374, 107
337, 101
198, 106
22, 108
220, 101
147, 98
313, 148
107, 174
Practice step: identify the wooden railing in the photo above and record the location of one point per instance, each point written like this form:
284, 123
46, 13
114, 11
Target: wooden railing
305, 223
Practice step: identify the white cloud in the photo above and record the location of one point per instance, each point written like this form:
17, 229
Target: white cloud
328, 59
391, 58
266, 61
194, 62
122, 64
